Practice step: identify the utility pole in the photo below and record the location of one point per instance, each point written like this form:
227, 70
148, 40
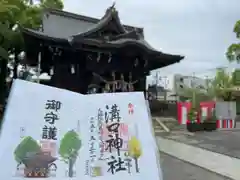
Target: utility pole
193, 83
156, 80
208, 86
165, 83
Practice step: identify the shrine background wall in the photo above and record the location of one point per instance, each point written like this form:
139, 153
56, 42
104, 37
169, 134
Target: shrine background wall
58, 26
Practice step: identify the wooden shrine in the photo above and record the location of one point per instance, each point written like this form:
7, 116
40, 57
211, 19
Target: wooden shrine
108, 57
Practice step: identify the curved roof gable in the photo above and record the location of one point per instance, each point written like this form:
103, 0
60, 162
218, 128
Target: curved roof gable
110, 17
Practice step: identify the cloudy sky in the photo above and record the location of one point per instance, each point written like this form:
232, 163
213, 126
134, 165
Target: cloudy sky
201, 30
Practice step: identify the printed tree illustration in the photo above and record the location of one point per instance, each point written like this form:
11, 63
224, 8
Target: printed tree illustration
69, 147
27, 146
134, 150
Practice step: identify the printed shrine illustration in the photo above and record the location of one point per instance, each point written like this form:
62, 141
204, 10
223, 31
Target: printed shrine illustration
39, 159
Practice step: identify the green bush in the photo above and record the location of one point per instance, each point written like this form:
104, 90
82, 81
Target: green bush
192, 115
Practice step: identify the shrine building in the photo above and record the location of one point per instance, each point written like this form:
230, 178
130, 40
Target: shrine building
88, 55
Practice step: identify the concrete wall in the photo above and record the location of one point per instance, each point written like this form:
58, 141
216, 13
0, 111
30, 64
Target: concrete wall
226, 110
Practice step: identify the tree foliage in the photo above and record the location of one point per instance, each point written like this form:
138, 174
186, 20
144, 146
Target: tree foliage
3, 53
26, 13
233, 51
217, 88
4, 8
69, 147
195, 95
192, 115
221, 85
70, 144
27, 145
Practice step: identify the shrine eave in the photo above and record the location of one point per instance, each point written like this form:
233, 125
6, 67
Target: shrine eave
119, 43
156, 58
162, 60
127, 41
41, 37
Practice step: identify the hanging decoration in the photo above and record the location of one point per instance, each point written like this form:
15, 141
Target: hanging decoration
109, 57
39, 64
50, 48
72, 69
107, 87
99, 56
123, 84
130, 84
53, 56
130, 77
122, 77
114, 83
136, 62
56, 51
130, 87
51, 71
117, 84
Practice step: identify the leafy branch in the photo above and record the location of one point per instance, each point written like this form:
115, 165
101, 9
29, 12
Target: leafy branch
233, 51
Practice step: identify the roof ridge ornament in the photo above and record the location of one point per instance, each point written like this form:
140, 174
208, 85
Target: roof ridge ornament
113, 6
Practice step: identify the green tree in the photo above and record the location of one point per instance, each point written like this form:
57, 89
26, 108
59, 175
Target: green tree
221, 86
69, 147
4, 8
195, 95
233, 51
27, 145
26, 13
217, 88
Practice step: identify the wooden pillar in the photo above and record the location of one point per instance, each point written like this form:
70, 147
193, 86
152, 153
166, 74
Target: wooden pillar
140, 85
